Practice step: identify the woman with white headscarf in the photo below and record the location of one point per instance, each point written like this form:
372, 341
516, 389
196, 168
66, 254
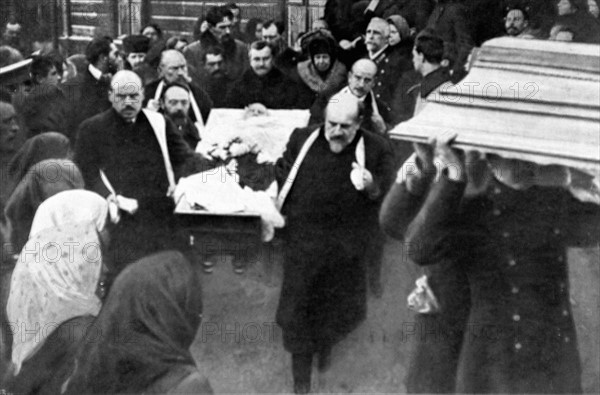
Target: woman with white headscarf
53, 297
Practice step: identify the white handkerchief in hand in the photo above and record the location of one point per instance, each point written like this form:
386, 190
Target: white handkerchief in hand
127, 204
421, 299
356, 176
113, 209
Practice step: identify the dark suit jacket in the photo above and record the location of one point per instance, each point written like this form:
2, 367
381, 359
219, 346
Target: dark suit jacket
449, 21
274, 90
87, 97
204, 102
131, 159
317, 111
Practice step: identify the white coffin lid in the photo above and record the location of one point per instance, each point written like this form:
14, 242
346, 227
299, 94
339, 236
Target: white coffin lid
524, 99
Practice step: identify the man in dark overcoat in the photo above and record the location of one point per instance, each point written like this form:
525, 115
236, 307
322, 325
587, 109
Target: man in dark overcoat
265, 84
507, 224
331, 180
135, 156
87, 94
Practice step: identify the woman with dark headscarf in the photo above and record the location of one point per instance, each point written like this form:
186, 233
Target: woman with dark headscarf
148, 323
50, 145
322, 72
36, 149
42, 180
400, 40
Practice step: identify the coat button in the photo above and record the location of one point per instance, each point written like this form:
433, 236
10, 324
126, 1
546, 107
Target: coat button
565, 313
556, 231
512, 262
497, 191
379, 84
560, 258
506, 235
516, 318
382, 71
377, 96
567, 339
515, 290
497, 212
518, 346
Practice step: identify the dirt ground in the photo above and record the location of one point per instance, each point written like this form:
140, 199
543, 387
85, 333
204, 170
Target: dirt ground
239, 346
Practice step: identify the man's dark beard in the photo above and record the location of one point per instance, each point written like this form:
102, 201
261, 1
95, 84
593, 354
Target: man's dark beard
217, 74
178, 118
112, 68
228, 43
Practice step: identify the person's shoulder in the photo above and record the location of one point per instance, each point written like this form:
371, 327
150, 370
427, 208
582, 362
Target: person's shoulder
194, 47
240, 45
152, 85
97, 121
300, 135
375, 142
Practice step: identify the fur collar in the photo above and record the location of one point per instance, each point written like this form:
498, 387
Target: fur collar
335, 78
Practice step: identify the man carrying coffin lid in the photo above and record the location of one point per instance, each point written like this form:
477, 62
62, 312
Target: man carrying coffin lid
441, 298
506, 224
133, 156
331, 180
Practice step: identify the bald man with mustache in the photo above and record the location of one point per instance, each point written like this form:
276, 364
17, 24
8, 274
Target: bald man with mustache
135, 156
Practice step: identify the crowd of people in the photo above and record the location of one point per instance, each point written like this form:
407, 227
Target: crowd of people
92, 146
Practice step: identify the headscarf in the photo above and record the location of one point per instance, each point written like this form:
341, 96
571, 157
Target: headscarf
44, 146
73, 206
42, 180
401, 25
57, 273
148, 323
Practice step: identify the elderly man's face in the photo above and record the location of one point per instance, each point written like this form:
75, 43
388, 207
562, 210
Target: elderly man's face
176, 102
377, 36
261, 61
515, 22
341, 125
173, 68
127, 95
214, 64
8, 127
361, 81
270, 34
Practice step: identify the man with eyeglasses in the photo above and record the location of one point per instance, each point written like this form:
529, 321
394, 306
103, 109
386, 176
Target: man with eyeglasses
133, 156
219, 33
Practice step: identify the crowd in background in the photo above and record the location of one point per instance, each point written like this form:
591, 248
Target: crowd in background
377, 51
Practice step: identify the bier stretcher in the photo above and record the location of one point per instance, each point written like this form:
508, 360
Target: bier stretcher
223, 229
